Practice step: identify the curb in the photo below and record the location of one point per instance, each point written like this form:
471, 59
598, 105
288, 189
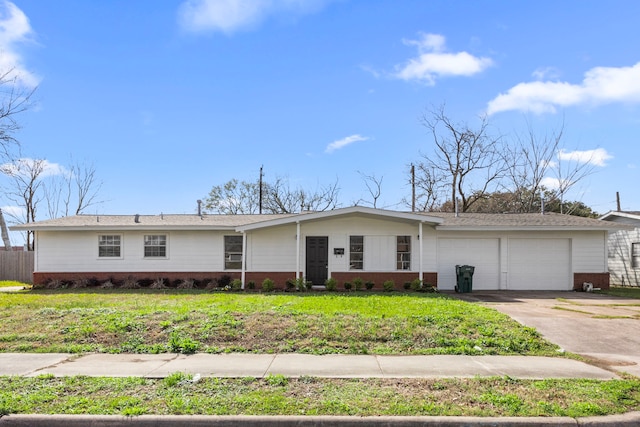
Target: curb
19, 420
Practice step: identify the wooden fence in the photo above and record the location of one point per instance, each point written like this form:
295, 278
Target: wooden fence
16, 265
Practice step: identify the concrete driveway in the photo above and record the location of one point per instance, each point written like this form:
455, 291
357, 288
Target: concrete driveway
604, 329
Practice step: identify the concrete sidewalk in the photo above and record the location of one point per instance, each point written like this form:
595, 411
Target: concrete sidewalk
297, 365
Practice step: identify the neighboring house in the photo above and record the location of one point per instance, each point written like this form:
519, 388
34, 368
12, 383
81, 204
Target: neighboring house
509, 251
624, 249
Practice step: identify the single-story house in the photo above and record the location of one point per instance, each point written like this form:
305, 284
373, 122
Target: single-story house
509, 251
624, 248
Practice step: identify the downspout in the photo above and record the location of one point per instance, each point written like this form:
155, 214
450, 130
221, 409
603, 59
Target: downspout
244, 259
421, 276
297, 249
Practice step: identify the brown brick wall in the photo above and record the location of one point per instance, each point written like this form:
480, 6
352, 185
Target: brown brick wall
43, 278
599, 280
399, 277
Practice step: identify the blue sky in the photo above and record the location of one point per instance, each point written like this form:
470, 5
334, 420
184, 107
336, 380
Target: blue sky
168, 98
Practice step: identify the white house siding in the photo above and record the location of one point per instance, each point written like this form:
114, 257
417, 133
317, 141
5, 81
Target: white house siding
77, 251
272, 249
620, 266
379, 241
481, 252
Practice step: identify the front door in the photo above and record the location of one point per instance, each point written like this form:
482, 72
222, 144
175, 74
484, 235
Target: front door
317, 259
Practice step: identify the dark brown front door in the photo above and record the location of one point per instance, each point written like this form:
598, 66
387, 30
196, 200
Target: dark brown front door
317, 254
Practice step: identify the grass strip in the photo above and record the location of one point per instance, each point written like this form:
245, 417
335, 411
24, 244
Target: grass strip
278, 395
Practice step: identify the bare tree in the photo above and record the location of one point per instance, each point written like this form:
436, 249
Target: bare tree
73, 191
534, 158
26, 180
14, 99
233, 197
242, 197
374, 187
465, 160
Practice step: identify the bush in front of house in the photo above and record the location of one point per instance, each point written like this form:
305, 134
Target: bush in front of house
388, 286
369, 285
416, 285
358, 284
347, 286
251, 285
236, 284
268, 285
331, 284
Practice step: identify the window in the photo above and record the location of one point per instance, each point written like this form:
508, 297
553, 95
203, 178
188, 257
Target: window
403, 251
109, 246
232, 252
356, 252
635, 255
155, 246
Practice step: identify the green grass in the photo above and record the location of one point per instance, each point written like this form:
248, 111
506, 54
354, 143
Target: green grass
277, 395
622, 291
317, 323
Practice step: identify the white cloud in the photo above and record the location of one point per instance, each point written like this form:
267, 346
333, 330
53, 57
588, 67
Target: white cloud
601, 85
229, 16
550, 183
433, 61
14, 29
597, 157
341, 143
24, 166
546, 73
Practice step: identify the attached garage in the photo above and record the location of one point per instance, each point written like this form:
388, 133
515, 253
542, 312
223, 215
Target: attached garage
482, 253
539, 264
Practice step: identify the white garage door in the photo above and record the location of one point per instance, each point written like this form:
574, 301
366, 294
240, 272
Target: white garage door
540, 264
483, 254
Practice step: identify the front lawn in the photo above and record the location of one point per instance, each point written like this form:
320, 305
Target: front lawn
120, 321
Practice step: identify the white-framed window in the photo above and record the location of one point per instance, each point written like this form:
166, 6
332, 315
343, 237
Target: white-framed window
155, 246
635, 255
232, 252
403, 252
109, 246
356, 252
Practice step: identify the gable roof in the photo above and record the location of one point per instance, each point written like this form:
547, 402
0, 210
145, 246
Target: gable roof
614, 215
439, 220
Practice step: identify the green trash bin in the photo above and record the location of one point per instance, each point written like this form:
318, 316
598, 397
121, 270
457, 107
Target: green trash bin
464, 275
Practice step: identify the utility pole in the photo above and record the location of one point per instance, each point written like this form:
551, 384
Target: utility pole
260, 191
618, 201
413, 188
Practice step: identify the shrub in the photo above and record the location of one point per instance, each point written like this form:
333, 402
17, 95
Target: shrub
55, 284
186, 284
107, 285
347, 286
358, 284
251, 285
301, 284
428, 287
388, 286
407, 285
130, 283
159, 283
416, 285
236, 284
268, 285
331, 284
290, 285
369, 285
224, 281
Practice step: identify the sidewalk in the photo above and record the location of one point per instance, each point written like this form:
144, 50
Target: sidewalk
297, 365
